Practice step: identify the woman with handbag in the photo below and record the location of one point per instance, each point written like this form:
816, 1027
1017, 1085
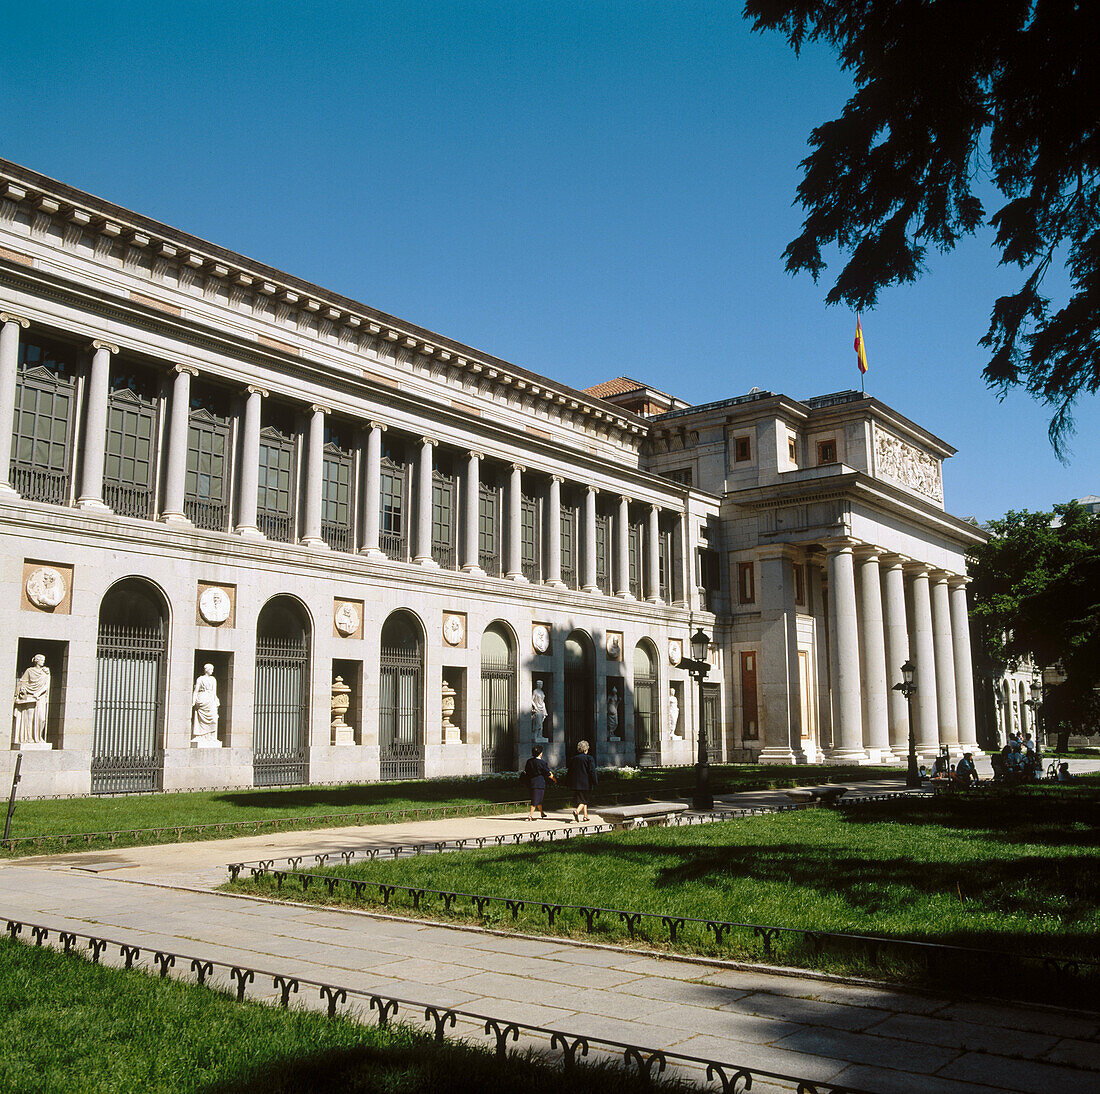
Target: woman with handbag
536, 771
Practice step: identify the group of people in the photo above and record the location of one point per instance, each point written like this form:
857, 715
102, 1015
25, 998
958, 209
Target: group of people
580, 777
1019, 761
961, 774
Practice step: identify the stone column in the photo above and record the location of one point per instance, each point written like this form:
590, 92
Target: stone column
471, 562
926, 716
777, 678
897, 653
372, 492
95, 428
873, 646
179, 426
514, 542
315, 474
553, 537
946, 704
683, 563
9, 376
622, 550
250, 465
589, 584
847, 715
964, 668
653, 555
423, 555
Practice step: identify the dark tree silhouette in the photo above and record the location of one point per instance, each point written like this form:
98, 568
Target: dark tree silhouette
950, 93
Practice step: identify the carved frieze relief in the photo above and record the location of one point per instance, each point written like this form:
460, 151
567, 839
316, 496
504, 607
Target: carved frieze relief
907, 466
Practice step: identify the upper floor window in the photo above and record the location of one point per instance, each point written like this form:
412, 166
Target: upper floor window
746, 583
338, 474
792, 450
826, 451
800, 584
444, 514
742, 449
681, 475
488, 528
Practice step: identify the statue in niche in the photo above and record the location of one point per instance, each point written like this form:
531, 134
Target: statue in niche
342, 733
613, 712
204, 710
32, 704
538, 712
673, 712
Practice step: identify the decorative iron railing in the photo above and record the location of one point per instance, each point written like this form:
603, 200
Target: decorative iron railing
394, 546
337, 536
275, 526
128, 501
489, 561
646, 1063
445, 555
212, 516
40, 484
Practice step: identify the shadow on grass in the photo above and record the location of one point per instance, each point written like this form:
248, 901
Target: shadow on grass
425, 1066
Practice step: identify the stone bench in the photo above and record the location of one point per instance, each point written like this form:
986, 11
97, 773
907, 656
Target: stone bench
817, 795
627, 816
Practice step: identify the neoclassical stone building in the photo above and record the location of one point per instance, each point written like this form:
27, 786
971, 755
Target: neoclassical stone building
256, 533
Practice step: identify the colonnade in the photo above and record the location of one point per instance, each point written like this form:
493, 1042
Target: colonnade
90, 494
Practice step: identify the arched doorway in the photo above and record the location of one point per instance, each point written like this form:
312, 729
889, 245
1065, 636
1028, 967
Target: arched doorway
128, 720
498, 700
280, 719
647, 733
401, 698
580, 692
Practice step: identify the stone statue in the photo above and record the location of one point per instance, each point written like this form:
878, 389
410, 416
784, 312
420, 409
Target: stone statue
204, 710
538, 712
613, 712
452, 734
673, 712
32, 703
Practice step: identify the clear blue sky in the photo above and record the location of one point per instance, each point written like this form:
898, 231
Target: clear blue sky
585, 188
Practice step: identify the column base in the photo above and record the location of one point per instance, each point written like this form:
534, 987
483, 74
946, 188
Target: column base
8, 492
593, 589
175, 518
92, 505
626, 596
372, 552
248, 531
780, 755
559, 584
316, 543
520, 578
653, 600
846, 755
473, 571
427, 562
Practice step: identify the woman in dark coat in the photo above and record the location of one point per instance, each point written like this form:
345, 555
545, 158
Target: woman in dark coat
537, 771
582, 778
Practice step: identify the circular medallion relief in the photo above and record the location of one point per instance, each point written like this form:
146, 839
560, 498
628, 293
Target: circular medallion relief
214, 605
675, 651
45, 587
346, 620
614, 647
453, 630
540, 637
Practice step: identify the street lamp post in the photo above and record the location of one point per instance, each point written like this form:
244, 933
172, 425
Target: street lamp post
698, 667
907, 687
1035, 702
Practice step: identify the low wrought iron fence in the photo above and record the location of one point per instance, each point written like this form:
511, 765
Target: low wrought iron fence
644, 1062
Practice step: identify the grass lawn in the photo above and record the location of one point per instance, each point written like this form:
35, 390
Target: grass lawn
316, 807
1006, 870
67, 1025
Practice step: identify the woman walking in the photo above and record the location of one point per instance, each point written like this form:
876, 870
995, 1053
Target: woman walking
537, 771
582, 778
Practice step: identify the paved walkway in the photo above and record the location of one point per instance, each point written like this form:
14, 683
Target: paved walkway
862, 1035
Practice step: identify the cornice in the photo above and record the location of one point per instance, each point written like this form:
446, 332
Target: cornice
50, 203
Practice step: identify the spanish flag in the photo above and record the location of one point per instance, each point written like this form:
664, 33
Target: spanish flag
861, 348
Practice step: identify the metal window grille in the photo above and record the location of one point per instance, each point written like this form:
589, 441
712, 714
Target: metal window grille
400, 730
129, 460
444, 526
498, 714
664, 564
488, 529
569, 546
531, 563
580, 704
336, 495
280, 717
634, 554
206, 487
712, 721
275, 500
392, 533
42, 433
127, 750
646, 736
603, 540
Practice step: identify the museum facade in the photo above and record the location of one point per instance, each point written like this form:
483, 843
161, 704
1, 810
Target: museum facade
256, 533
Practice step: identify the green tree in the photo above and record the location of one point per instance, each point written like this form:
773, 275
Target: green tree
1036, 593
949, 94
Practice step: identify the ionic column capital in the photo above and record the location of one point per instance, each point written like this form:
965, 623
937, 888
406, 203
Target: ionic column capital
261, 391
190, 370
559, 479
318, 408
429, 441
110, 347
518, 467
8, 317
590, 489
472, 455
380, 426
